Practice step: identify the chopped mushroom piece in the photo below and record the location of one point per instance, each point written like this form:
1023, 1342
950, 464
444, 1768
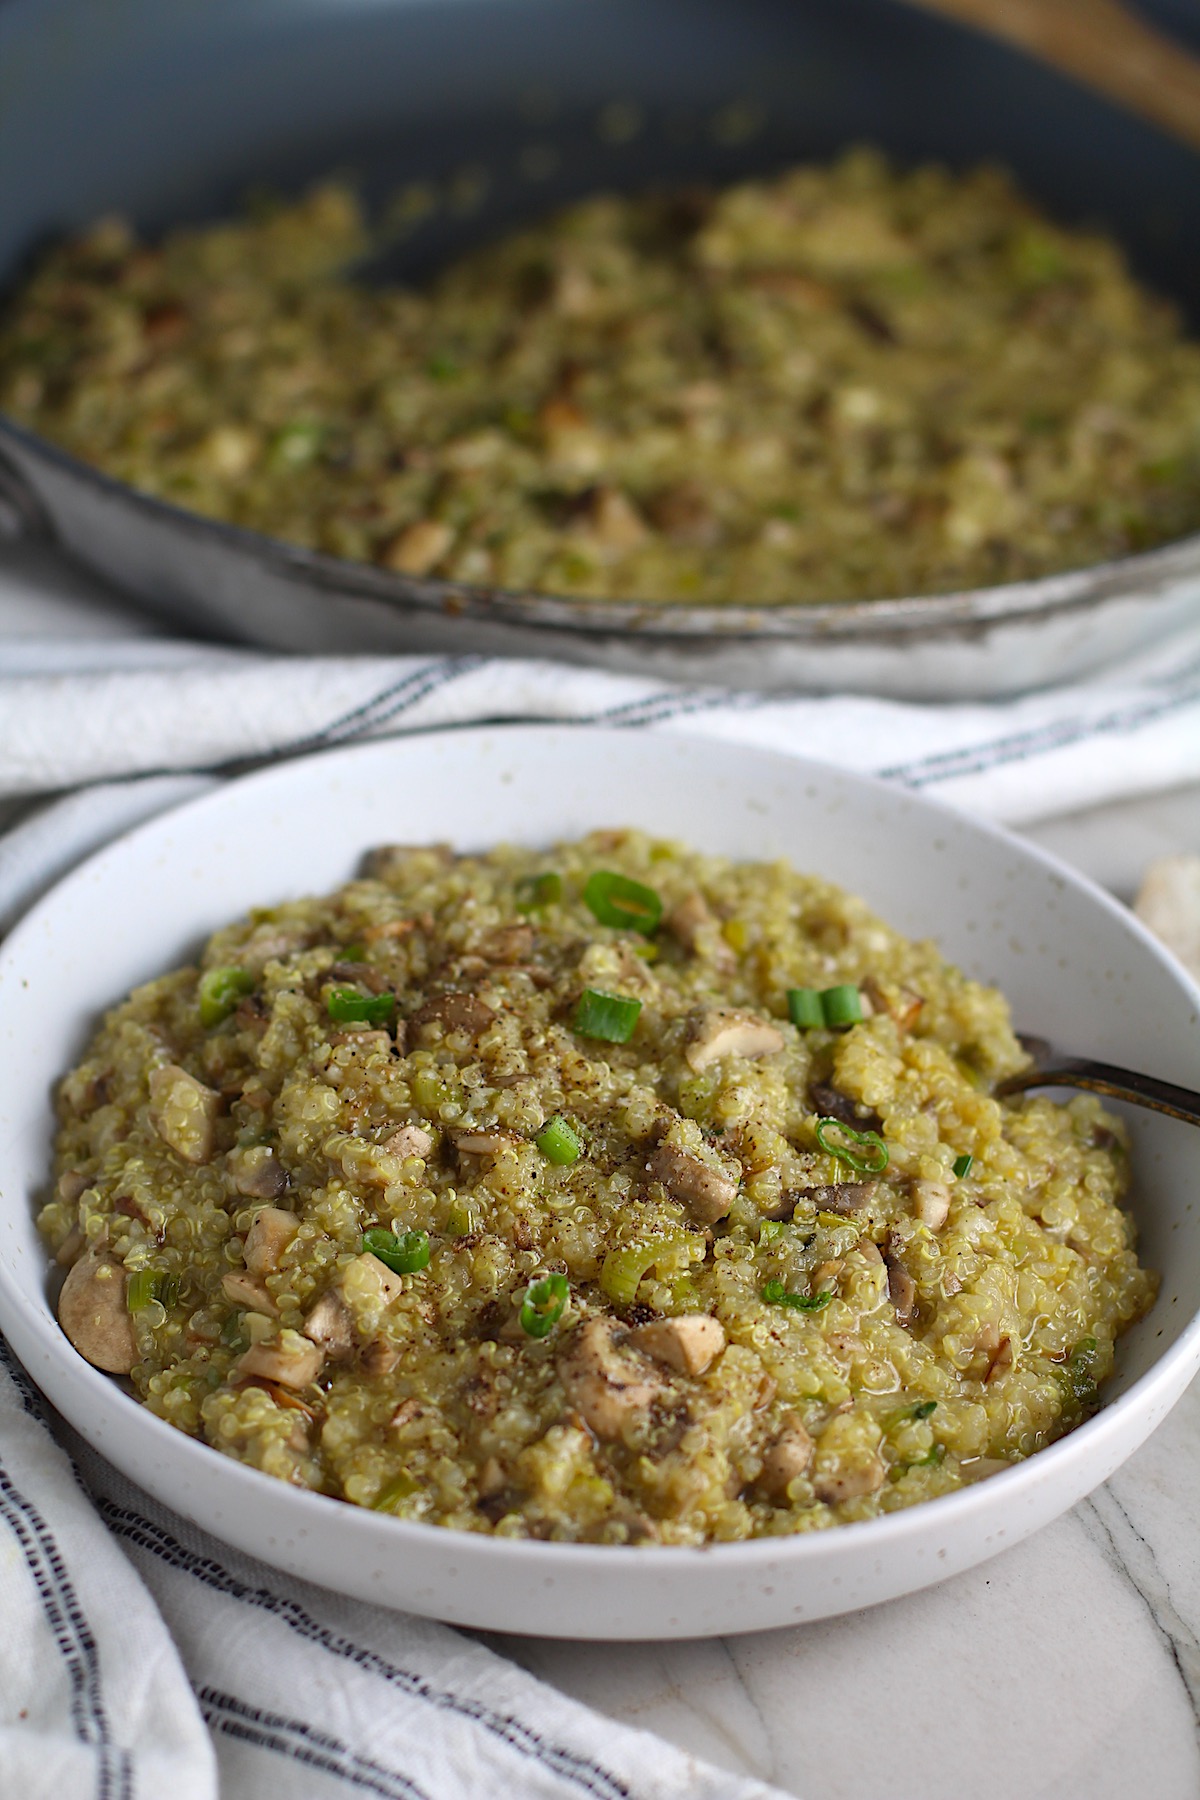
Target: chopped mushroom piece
843, 1197
379, 1357
689, 1342
930, 1202
291, 1360
183, 1112
416, 549
330, 1325
366, 1274
243, 1290
92, 1312
904, 1004
902, 1289
707, 1193
271, 1231
603, 1380
724, 1031
688, 921
787, 1456
831, 1103
483, 1143
409, 1140
1001, 1361
454, 1012
257, 1172
849, 1483
405, 1413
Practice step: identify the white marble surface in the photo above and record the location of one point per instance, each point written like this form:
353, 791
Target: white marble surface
1068, 1667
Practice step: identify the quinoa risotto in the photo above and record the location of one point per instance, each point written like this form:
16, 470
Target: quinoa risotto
842, 382
613, 1194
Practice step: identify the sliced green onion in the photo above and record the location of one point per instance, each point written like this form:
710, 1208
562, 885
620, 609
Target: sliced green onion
931, 1458
874, 1164
924, 1409
404, 1255
538, 890
442, 366
616, 900
295, 445
775, 1294
352, 953
841, 1005
141, 1290
1078, 1379
624, 1267
346, 1006
608, 1016
805, 1009
544, 1304
219, 992
771, 1229
557, 1142
392, 1492
962, 1165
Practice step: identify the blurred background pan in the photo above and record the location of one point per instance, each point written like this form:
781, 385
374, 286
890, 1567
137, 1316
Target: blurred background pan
166, 110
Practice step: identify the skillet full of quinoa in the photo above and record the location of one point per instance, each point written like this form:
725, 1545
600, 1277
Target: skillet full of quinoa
610, 1194
844, 382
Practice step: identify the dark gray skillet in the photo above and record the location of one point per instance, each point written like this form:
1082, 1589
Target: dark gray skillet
168, 109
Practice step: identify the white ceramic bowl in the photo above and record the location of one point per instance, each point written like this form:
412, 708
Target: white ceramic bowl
1076, 966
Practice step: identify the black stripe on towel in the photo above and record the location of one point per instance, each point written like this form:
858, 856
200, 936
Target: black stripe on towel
521, 1738
302, 1744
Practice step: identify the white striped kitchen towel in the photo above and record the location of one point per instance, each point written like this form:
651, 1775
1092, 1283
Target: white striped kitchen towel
139, 1658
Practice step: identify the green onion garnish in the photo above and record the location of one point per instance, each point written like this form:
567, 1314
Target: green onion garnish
924, 1409
538, 890
931, 1459
608, 1016
805, 1009
841, 1005
145, 1286
219, 992
544, 1304
770, 1229
874, 1164
962, 1165
616, 900
355, 952
404, 1255
776, 1294
557, 1142
346, 1006
392, 1492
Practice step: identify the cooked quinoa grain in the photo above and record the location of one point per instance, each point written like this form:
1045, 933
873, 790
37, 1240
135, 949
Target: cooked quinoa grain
843, 382
359, 1202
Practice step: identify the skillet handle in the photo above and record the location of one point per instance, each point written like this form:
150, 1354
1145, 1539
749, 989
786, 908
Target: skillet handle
22, 514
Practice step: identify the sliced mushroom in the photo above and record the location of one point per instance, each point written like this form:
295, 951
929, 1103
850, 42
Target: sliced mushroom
330, 1325
689, 1342
405, 1413
603, 1380
379, 1357
507, 945
454, 1012
389, 929
93, 1313
257, 1172
707, 1193
844, 1197
483, 1143
1002, 1360
723, 1031
930, 1202
291, 1360
243, 1290
71, 1184
788, 1455
72, 1247
902, 1289
830, 1103
688, 922
409, 1140
271, 1231
416, 549
183, 1112
902, 1003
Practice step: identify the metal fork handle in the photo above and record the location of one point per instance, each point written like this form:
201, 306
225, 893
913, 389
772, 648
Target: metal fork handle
1105, 1078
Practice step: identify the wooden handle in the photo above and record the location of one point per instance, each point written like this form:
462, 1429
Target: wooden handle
1104, 46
